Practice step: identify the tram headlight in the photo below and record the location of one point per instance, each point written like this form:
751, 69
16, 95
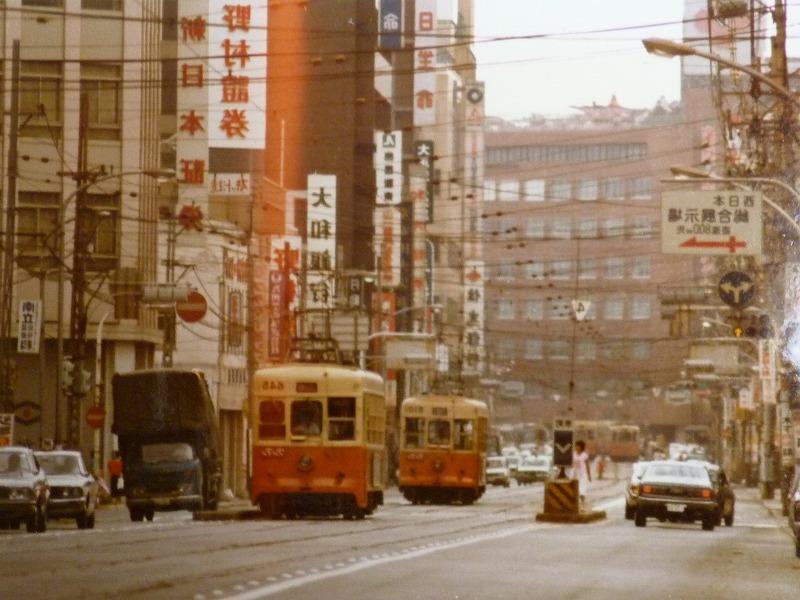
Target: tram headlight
305, 464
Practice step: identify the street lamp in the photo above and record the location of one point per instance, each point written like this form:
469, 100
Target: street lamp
670, 49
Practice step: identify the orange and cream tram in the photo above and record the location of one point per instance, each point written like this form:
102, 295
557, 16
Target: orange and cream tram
443, 449
619, 441
318, 440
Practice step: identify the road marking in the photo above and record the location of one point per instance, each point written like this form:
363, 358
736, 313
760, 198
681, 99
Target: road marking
275, 588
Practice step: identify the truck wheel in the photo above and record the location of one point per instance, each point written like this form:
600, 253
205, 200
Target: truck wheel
149, 514
136, 514
640, 519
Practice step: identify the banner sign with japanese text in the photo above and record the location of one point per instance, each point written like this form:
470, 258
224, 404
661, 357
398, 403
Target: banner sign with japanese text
390, 25
30, 326
388, 244
388, 167
425, 42
321, 242
474, 317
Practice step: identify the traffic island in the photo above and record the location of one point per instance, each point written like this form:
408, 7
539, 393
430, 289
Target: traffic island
562, 504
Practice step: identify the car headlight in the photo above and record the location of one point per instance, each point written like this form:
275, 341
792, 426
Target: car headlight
634, 489
186, 488
20, 493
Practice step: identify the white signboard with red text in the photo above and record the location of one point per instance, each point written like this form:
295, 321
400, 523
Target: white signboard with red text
711, 223
425, 42
474, 317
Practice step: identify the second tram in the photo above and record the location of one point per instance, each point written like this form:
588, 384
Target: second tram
318, 440
443, 449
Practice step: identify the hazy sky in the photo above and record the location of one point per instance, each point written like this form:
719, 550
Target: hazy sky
571, 67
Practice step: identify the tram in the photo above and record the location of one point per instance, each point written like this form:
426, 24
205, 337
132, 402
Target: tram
443, 449
318, 435
618, 441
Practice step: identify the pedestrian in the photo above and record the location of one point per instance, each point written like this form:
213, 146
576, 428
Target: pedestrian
115, 473
580, 469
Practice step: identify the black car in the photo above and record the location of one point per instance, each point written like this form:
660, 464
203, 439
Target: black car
794, 512
23, 490
677, 491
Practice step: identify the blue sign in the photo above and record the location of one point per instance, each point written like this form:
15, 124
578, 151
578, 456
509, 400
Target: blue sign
391, 25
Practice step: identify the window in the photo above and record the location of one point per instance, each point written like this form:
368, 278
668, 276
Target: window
614, 308
641, 227
306, 417
642, 188
46, 3
40, 98
508, 227
103, 223
562, 228
534, 310
506, 270
489, 190
615, 188
101, 4
558, 310
509, 190
614, 350
615, 267
341, 418
614, 227
533, 349
559, 350
375, 408
559, 190
561, 269
586, 269
587, 228
37, 228
415, 426
586, 350
505, 309
640, 351
588, 190
438, 432
505, 349
640, 309
534, 229
271, 420
102, 83
534, 190
463, 434
535, 269
641, 267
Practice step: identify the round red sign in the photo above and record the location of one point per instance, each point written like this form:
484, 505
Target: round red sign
193, 309
96, 416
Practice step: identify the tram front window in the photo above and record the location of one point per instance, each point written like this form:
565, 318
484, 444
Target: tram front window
415, 428
306, 417
438, 432
341, 419
463, 434
271, 414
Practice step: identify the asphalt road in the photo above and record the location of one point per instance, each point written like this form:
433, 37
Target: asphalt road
493, 549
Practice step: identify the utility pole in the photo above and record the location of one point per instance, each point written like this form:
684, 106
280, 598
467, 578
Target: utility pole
9, 251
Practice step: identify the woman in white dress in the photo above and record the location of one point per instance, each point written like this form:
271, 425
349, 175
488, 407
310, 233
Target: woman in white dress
580, 468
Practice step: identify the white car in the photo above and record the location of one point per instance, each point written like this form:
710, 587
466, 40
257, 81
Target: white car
497, 471
534, 468
632, 491
73, 490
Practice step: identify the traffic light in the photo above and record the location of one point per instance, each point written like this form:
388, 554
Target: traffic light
67, 372
82, 382
751, 326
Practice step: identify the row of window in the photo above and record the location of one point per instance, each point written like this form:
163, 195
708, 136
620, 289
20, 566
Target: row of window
85, 4
611, 308
566, 152
612, 267
586, 189
41, 98
536, 349
562, 227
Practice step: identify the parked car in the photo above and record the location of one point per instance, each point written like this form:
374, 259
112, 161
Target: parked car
497, 472
676, 491
23, 490
534, 468
632, 491
794, 511
73, 490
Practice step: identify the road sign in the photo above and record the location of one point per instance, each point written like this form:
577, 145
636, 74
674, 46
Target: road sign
711, 223
96, 416
193, 309
562, 442
737, 289
580, 309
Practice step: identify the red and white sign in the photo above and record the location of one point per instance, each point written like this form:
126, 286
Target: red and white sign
96, 416
711, 222
425, 42
193, 309
387, 244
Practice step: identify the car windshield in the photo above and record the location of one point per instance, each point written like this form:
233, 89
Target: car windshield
14, 463
495, 462
161, 453
536, 462
679, 471
60, 464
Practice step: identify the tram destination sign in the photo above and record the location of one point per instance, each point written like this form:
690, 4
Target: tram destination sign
711, 223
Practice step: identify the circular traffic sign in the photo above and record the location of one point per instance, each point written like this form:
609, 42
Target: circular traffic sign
475, 95
96, 416
737, 289
193, 308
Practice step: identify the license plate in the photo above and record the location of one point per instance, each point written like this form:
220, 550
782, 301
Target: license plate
671, 507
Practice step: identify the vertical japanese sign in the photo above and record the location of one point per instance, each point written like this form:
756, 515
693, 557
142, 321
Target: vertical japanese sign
418, 191
473, 101
423, 152
389, 167
321, 242
284, 263
387, 244
238, 93
474, 317
192, 139
390, 26
30, 326
425, 43
236, 275
767, 370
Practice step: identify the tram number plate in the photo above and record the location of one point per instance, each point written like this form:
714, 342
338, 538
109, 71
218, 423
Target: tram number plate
672, 507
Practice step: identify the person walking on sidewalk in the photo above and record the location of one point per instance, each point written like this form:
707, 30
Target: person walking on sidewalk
580, 469
115, 473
